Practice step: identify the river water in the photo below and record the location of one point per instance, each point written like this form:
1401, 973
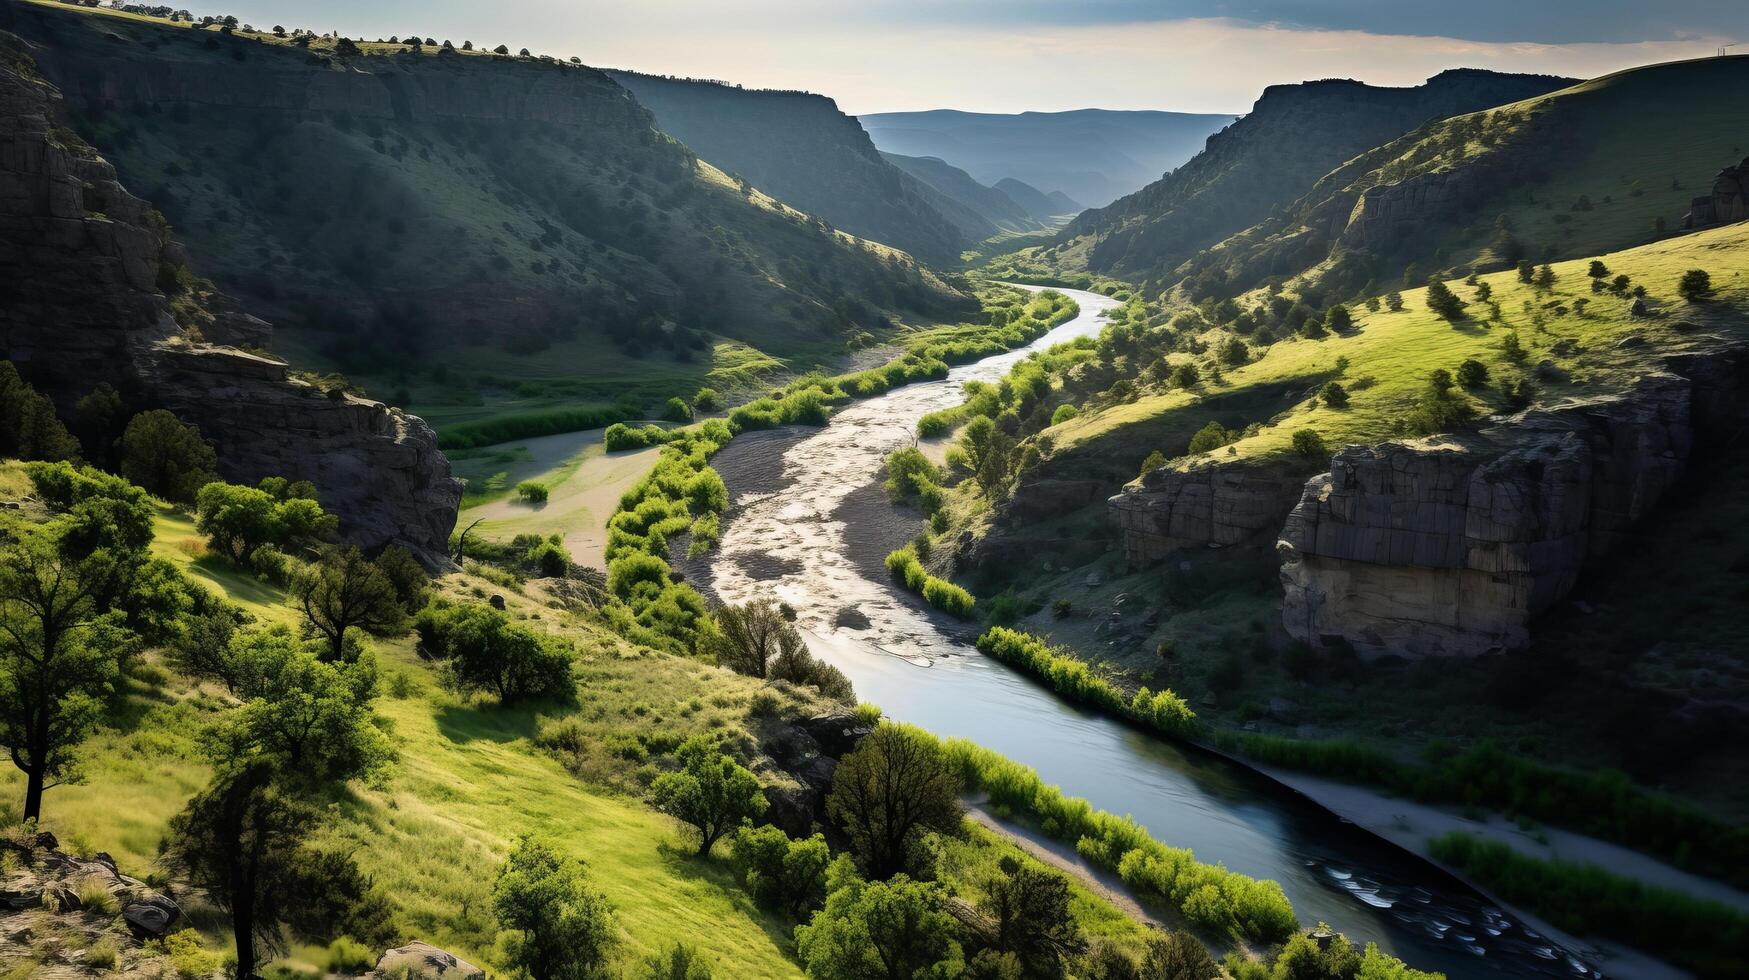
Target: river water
788, 536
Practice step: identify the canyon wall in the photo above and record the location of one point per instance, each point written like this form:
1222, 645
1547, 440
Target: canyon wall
83, 270
1206, 503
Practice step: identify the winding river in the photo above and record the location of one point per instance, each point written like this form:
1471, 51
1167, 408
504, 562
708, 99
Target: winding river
794, 533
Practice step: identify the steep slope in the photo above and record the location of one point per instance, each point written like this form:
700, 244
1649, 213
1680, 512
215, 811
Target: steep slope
84, 272
1293, 136
979, 210
797, 147
1040, 205
509, 221
1092, 155
1599, 166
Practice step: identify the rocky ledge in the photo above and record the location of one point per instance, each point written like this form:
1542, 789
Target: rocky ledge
1451, 545
1728, 202
1205, 503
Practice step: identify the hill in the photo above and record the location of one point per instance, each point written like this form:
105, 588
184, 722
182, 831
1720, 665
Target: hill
1595, 167
1293, 136
797, 147
454, 226
1040, 205
1091, 155
980, 211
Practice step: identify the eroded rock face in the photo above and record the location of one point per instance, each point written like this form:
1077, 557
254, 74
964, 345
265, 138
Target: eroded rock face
1728, 202
1208, 502
80, 303
1451, 545
421, 959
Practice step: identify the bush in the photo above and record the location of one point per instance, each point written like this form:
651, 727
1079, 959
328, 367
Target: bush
166, 457
677, 410
1309, 445
531, 492
1695, 285
348, 956
1064, 413
102, 956
1472, 374
562, 928
706, 400
1165, 712
549, 558
1210, 437
485, 651
1444, 302
940, 593
1333, 394
780, 873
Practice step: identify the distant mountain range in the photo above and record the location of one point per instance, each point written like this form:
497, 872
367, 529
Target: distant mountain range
1092, 156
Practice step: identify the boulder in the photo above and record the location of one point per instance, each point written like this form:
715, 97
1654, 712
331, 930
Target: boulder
837, 732
1728, 201
421, 959
151, 917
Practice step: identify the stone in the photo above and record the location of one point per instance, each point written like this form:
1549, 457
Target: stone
421, 959
496, 601
837, 733
1451, 545
1727, 202
1204, 503
152, 917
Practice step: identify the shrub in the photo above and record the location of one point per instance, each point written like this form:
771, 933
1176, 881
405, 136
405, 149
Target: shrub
1333, 394
904, 565
1337, 319
1472, 374
102, 956
706, 400
1063, 414
1394, 301
1155, 460
1444, 302
677, 410
94, 897
1186, 376
549, 558
1210, 437
1062, 609
485, 651
1164, 712
780, 873
1309, 445
1695, 285
562, 928
528, 491
912, 477
166, 457
348, 956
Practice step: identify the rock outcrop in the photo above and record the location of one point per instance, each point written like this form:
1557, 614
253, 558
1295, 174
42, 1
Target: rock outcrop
54, 906
1728, 202
1208, 502
82, 267
1452, 545
425, 961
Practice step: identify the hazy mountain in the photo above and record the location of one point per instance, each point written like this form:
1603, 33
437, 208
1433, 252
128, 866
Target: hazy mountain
1040, 205
1092, 155
799, 148
981, 211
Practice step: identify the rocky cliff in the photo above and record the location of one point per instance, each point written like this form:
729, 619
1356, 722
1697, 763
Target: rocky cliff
84, 267
1728, 202
1203, 504
1452, 545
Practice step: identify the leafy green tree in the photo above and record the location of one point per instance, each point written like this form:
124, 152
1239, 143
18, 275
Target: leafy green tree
1030, 909
1210, 437
989, 454
29, 428
98, 420
485, 651
1394, 301
779, 872
166, 457
711, 792
1338, 319
564, 929
1309, 445
344, 591
1154, 461
1064, 413
1334, 394
59, 659
896, 786
1176, 955
1695, 285
1186, 376
201, 648
748, 638
1234, 353
236, 519
412, 585
894, 929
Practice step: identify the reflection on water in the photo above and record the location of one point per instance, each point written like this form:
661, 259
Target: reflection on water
785, 539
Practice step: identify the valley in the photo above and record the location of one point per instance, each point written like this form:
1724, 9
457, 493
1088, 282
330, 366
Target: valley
465, 512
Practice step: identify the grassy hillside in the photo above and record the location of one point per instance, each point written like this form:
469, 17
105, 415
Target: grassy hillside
1293, 136
456, 228
1600, 166
799, 148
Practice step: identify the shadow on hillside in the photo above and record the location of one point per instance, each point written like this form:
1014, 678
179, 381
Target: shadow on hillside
485, 720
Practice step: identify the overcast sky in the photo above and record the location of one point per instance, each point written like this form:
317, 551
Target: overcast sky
1014, 55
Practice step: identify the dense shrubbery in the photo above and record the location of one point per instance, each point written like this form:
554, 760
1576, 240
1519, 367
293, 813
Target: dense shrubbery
1603, 804
938, 592
620, 436
483, 650
912, 478
238, 520
1709, 938
1164, 712
1209, 896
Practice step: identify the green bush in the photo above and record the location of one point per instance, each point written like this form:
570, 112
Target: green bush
1063, 414
528, 491
940, 593
348, 956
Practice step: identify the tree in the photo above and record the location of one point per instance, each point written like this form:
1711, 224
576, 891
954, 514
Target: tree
500, 49
895, 929
1030, 909
1154, 461
412, 585
1186, 376
565, 929
988, 451
1598, 270
346, 591
1209, 437
1441, 300
59, 659
706, 400
1338, 319
779, 872
238, 519
1695, 285
98, 420
1394, 301
311, 717
166, 457
1176, 955
1472, 373
201, 648
1234, 353
711, 792
1545, 277
749, 637
29, 428
485, 651
895, 786
1526, 271
677, 410
1334, 394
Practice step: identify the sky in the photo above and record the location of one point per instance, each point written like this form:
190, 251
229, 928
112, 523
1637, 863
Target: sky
1048, 55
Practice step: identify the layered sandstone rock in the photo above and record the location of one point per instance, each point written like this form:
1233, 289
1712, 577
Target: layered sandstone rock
1208, 502
1728, 202
80, 303
1451, 545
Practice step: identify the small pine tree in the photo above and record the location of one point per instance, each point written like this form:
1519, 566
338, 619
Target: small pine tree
1441, 300
1598, 270
1334, 394
1526, 270
1545, 277
1472, 373
1695, 285
1394, 301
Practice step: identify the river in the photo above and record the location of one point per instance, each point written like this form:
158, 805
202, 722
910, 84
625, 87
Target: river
796, 532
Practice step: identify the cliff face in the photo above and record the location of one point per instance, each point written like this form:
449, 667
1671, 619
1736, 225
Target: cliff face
1451, 545
82, 261
1207, 503
1728, 202
1293, 136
